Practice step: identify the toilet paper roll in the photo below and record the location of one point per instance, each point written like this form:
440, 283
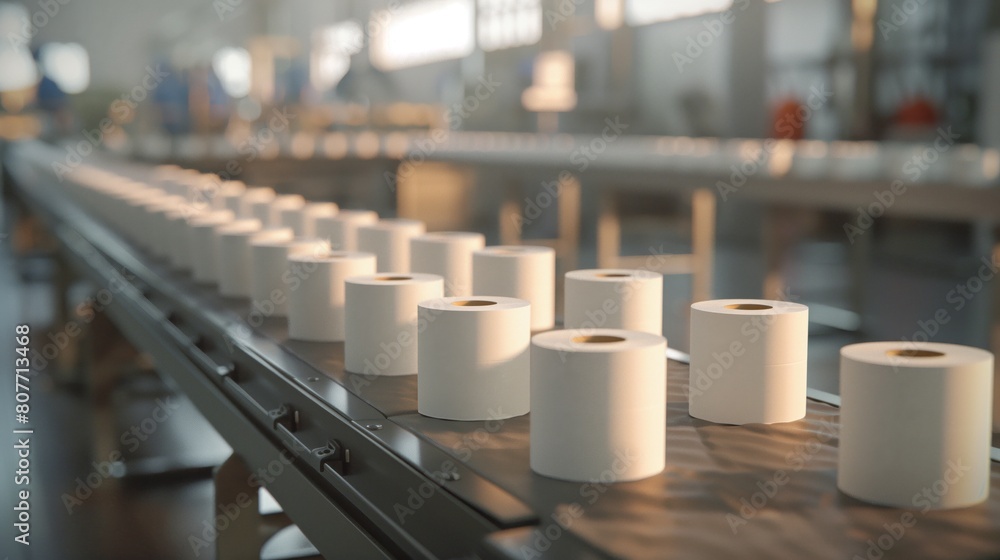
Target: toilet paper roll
269, 282
615, 299
201, 239
303, 220
521, 271
176, 236
316, 302
342, 229
256, 204
598, 404
233, 256
156, 234
229, 195
915, 424
473, 358
131, 218
137, 217
449, 254
389, 240
381, 321
282, 203
748, 361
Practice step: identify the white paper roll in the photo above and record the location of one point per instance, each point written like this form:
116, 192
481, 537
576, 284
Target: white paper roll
915, 424
748, 361
177, 236
316, 293
448, 254
303, 220
614, 299
157, 238
256, 204
342, 230
389, 240
473, 359
381, 321
269, 282
201, 238
228, 196
280, 204
221, 247
521, 271
233, 252
134, 213
138, 218
598, 404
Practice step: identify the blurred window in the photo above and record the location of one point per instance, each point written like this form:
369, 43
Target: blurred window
503, 24
422, 32
644, 12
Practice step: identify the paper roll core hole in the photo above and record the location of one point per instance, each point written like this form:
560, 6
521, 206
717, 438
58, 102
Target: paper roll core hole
473, 303
911, 353
748, 306
597, 338
393, 278
613, 275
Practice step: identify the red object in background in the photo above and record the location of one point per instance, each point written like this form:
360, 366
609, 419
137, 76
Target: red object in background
789, 120
916, 111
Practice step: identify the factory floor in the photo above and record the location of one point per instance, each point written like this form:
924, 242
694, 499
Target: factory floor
155, 517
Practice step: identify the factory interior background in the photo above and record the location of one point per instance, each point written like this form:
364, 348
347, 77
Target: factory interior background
839, 154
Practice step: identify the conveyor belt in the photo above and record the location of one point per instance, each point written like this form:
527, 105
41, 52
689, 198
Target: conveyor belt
422, 487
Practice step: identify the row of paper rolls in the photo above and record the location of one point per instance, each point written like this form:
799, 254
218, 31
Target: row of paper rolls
912, 415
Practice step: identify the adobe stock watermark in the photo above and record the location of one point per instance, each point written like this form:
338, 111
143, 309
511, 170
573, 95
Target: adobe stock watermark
393, 349
231, 511
86, 311
255, 145
455, 115
913, 169
46, 11
714, 25
131, 439
956, 299
584, 155
786, 127
899, 17
923, 501
122, 109
561, 12
471, 442
563, 518
581, 157
751, 331
769, 488
260, 309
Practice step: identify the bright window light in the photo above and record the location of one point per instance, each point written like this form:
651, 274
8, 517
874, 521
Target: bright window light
67, 64
331, 53
508, 23
421, 33
18, 69
643, 12
232, 67
13, 18
609, 13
